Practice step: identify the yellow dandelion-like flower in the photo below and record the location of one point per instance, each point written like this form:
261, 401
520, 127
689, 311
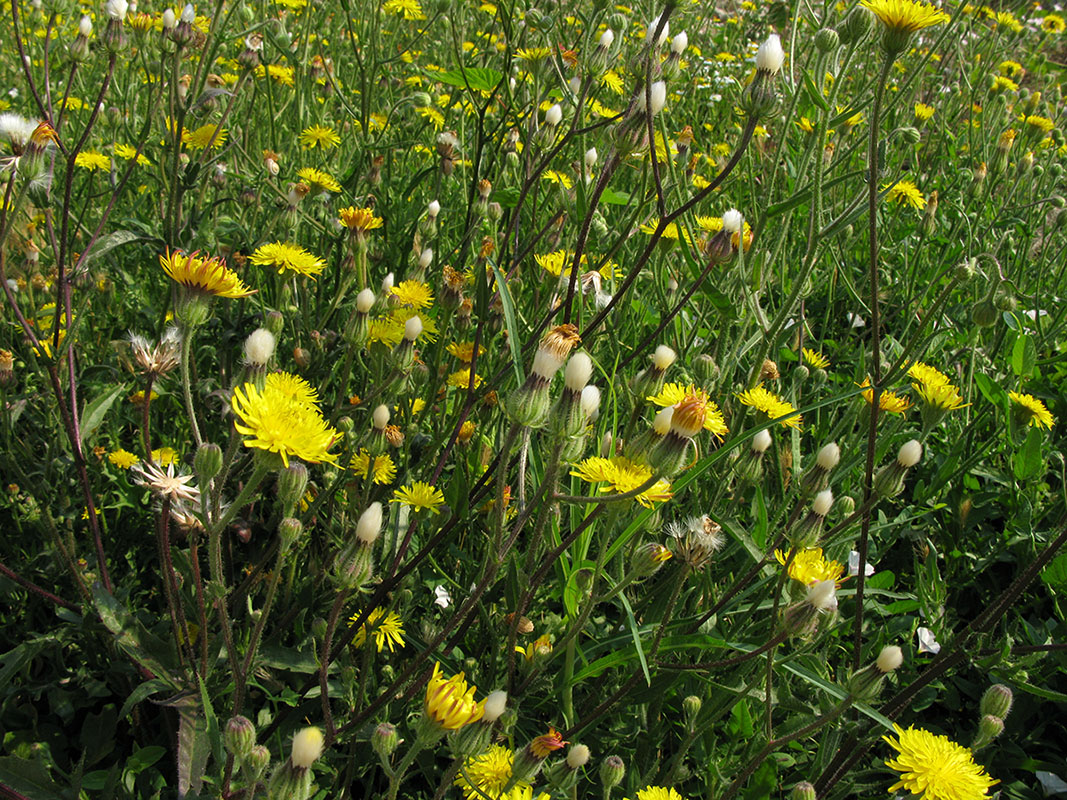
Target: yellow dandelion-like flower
890, 402
907, 192
772, 405
813, 359
1010, 68
127, 153
450, 702
165, 456
204, 275
906, 15
318, 180
1001, 83
359, 220
1006, 19
934, 767
384, 469
674, 393
612, 80
941, 396
657, 793
386, 628
620, 475
279, 422
533, 53
809, 566
413, 293
555, 176
419, 495
1032, 410
292, 387
410, 10
318, 136
490, 772
805, 125
285, 256
464, 351
278, 73
462, 379
92, 161
387, 331
1043, 124
1053, 23
923, 112
205, 135
123, 459
927, 375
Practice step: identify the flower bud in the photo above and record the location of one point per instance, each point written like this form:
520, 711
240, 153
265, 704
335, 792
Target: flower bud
827, 40
770, 56
384, 740
239, 738
679, 43
651, 32
647, 559
425, 259
207, 463
612, 771
661, 423
289, 530
691, 709
996, 701
433, 209
857, 25
889, 482
590, 403
257, 762
369, 526
387, 284
802, 791
364, 301
578, 371
380, 417
889, 659
495, 705
989, 728
292, 483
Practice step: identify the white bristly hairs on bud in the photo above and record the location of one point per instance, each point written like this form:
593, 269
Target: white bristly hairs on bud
578, 372
425, 258
388, 282
259, 347
909, 454
554, 115
575, 84
85, 27
412, 328
369, 527
657, 96
591, 403
828, 456
607, 445
188, 14
307, 747
169, 19
590, 158
663, 357
607, 38
770, 56
761, 441
889, 659
380, 417
822, 595
116, 9
433, 209
823, 502
495, 706
679, 43
364, 301
652, 31
731, 221
577, 756
661, 423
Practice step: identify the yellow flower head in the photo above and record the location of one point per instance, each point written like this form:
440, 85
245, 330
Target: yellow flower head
123, 459
620, 475
934, 767
1053, 23
816, 360
387, 629
809, 566
658, 793
279, 422
943, 396
359, 220
906, 16
284, 256
207, 275
903, 192
450, 702
384, 469
674, 393
923, 112
92, 160
889, 402
490, 772
165, 456
419, 495
413, 293
462, 379
1001, 83
927, 375
772, 405
318, 180
464, 351
1031, 410
319, 136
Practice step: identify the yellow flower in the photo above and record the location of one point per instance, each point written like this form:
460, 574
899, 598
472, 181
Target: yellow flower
890, 402
934, 767
489, 773
612, 80
657, 793
462, 379
533, 53
809, 566
419, 495
547, 743
292, 387
359, 220
205, 134
942, 396
805, 125
279, 422
555, 176
319, 136
318, 180
1043, 124
1010, 68
123, 459
127, 152
1032, 410
450, 702
906, 15
387, 629
165, 456
923, 112
620, 475
464, 351
384, 468
410, 10
280, 74
207, 275
674, 393
817, 360
927, 375
906, 192
770, 404
92, 161
1008, 20
1053, 23
413, 293
285, 256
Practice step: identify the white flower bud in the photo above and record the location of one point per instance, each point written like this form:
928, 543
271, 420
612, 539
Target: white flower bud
307, 746
731, 221
577, 756
380, 417
412, 328
679, 43
85, 27
425, 258
369, 527
652, 31
909, 454
591, 403
387, 284
761, 441
661, 423
364, 301
116, 9
889, 659
188, 14
663, 357
433, 209
607, 445
579, 370
495, 706
575, 84
657, 96
823, 502
607, 38
259, 347
828, 456
170, 21
590, 158
822, 595
554, 115
770, 56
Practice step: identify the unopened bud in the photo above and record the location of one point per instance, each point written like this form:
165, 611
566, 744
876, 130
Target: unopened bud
239, 738
996, 701
369, 526
384, 740
612, 771
292, 483
207, 463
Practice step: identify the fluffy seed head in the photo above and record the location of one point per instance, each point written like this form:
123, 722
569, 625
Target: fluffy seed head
731, 221
577, 756
761, 441
607, 38
369, 526
259, 347
170, 21
495, 705
578, 372
364, 301
188, 14
822, 595
657, 97
590, 402
909, 454
554, 115
652, 31
116, 9
412, 328
307, 746
770, 56
85, 27
828, 456
590, 158
426, 258
679, 43
889, 659
661, 423
433, 209
663, 357
823, 502
380, 417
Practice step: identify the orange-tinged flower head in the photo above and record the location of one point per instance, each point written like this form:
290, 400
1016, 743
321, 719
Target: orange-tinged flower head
560, 341
205, 275
450, 702
359, 220
688, 418
544, 745
42, 135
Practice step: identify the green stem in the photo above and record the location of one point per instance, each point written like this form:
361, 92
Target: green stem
187, 391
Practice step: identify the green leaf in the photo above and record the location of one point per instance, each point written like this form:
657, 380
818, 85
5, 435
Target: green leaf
1055, 574
132, 637
635, 632
95, 412
613, 197
29, 778
992, 391
480, 79
194, 747
1023, 356
14, 660
508, 198
513, 327
146, 689
106, 244
812, 91
1027, 462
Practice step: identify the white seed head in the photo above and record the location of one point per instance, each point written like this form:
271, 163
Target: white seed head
546, 364
364, 301
495, 706
590, 158
578, 372
16, 129
770, 56
889, 659
679, 43
259, 347
663, 357
591, 402
822, 595
731, 221
823, 502
828, 456
661, 423
412, 328
116, 9
426, 258
380, 417
652, 31
433, 209
369, 526
607, 38
388, 282
307, 746
657, 96
554, 115
577, 756
170, 21
188, 14
909, 454
85, 27
575, 84
761, 441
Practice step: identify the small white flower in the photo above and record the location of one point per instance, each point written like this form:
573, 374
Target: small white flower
854, 565
679, 43
854, 320
927, 642
442, 597
433, 209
